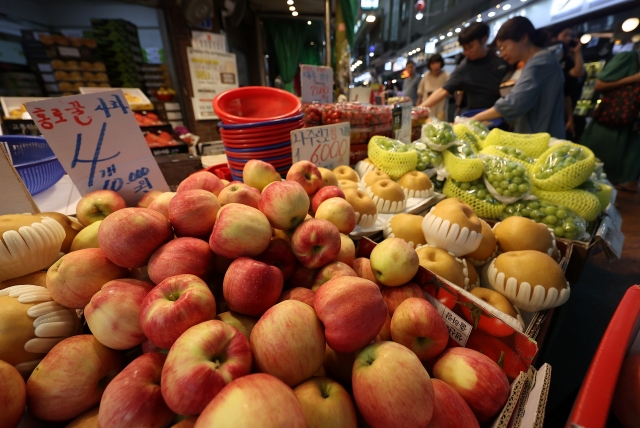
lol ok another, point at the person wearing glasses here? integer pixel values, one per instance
(536, 102)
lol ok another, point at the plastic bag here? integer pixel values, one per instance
(532, 144)
(392, 156)
(438, 135)
(564, 222)
(427, 157)
(507, 180)
(598, 188)
(476, 195)
(563, 167)
(510, 153)
(585, 204)
(478, 128)
(463, 162)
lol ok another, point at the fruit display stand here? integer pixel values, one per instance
(16, 120)
(622, 338)
(515, 352)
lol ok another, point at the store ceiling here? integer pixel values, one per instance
(280, 7)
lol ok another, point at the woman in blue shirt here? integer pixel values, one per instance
(536, 102)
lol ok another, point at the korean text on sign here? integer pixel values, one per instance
(98, 142)
(326, 146)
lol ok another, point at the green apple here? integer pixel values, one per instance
(394, 262)
(87, 237)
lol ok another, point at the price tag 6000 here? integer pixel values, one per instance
(326, 146)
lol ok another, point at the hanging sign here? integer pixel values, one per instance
(326, 146)
(99, 143)
(316, 83)
(211, 74)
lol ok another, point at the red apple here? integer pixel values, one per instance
(393, 296)
(300, 294)
(280, 255)
(148, 346)
(193, 213)
(239, 193)
(206, 358)
(129, 236)
(417, 325)
(97, 205)
(338, 366)
(273, 405)
(259, 174)
(173, 306)
(450, 410)
(316, 243)
(243, 323)
(326, 404)
(240, 231)
(339, 212)
(133, 398)
(352, 311)
(251, 287)
(181, 256)
(331, 271)
(285, 203)
(147, 198)
(362, 266)
(325, 193)
(13, 395)
(202, 180)
(161, 203)
(77, 276)
(302, 276)
(347, 254)
(71, 378)
(307, 174)
(391, 387)
(384, 335)
(477, 378)
(626, 399)
(113, 314)
(288, 342)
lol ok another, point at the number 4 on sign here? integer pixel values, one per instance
(96, 155)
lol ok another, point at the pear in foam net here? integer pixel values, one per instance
(453, 226)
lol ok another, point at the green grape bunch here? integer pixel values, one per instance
(508, 178)
(564, 222)
(515, 153)
(476, 188)
(426, 156)
(440, 133)
(463, 150)
(559, 159)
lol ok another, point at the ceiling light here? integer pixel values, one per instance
(289, 2)
(458, 29)
(308, 22)
(506, 7)
(294, 13)
(618, 42)
(371, 18)
(449, 34)
(497, 6)
(324, 43)
(292, 8)
(630, 24)
(636, 38)
(419, 16)
(479, 15)
(441, 37)
(394, 81)
(311, 43)
(479, 20)
(586, 38)
(491, 14)
(371, 54)
(523, 1)
(418, 49)
(266, 56)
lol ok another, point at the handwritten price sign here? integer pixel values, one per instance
(316, 83)
(326, 146)
(99, 143)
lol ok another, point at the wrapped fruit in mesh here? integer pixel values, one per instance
(585, 204)
(427, 157)
(476, 195)
(392, 156)
(533, 145)
(475, 127)
(438, 135)
(462, 162)
(563, 167)
(505, 179)
(598, 188)
(564, 222)
(510, 153)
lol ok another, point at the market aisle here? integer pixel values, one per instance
(579, 325)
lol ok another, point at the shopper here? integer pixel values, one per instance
(536, 102)
(479, 75)
(433, 80)
(411, 83)
(618, 146)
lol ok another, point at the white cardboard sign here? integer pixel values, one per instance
(99, 144)
(316, 83)
(326, 146)
(459, 329)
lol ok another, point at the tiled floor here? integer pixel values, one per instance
(579, 325)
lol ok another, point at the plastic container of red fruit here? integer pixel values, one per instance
(253, 104)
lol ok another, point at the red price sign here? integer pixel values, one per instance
(326, 146)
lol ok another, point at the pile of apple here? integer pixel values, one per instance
(229, 305)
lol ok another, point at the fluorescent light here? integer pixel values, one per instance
(491, 14)
(479, 15)
(371, 54)
(523, 1)
(311, 43)
(630, 24)
(449, 34)
(419, 16)
(418, 49)
(324, 43)
(308, 22)
(394, 81)
(441, 37)
(292, 8)
(294, 13)
(636, 38)
(458, 29)
(266, 56)
(497, 6)
(506, 7)
(586, 38)
(371, 18)
(289, 2)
